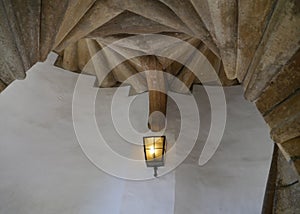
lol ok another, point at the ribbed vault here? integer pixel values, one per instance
(254, 43)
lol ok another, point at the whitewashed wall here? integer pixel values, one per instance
(43, 169)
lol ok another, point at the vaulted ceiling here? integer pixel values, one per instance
(254, 43)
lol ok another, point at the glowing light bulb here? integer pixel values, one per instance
(152, 150)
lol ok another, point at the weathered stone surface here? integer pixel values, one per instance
(202, 8)
(286, 82)
(184, 82)
(155, 11)
(97, 63)
(252, 21)
(291, 149)
(187, 13)
(195, 67)
(100, 13)
(205, 71)
(70, 58)
(136, 63)
(215, 63)
(27, 14)
(268, 204)
(213, 59)
(208, 69)
(223, 14)
(186, 77)
(181, 52)
(284, 111)
(16, 33)
(108, 40)
(287, 130)
(59, 61)
(82, 53)
(52, 14)
(223, 78)
(23, 20)
(174, 68)
(160, 45)
(297, 166)
(75, 11)
(178, 35)
(129, 23)
(5, 75)
(2, 85)
(287, 195)
(283, 189)
(124, 72)
(280, 42)
(11, 64)
(165, 62)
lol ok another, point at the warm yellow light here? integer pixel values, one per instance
(152, 150)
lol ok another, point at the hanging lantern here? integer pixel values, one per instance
(154, 149)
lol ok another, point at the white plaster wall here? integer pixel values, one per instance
(43, 169)
(233, 181)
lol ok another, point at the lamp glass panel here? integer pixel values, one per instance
(157, 154)
(159, 143)
(154, 148)
(149, 142)
(149, 155)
